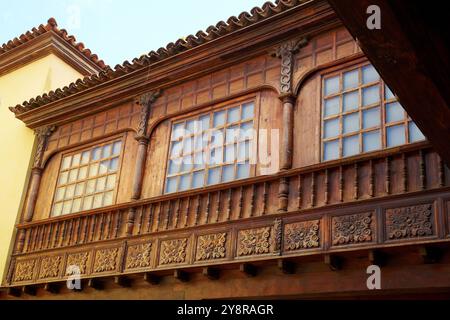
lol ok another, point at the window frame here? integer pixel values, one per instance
(210, 110)
(81, 149)
(381, 104)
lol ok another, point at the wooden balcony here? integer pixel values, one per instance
(383, 199)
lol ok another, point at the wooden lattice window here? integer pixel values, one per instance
(360, 114)
(211, 148)
(87, 179)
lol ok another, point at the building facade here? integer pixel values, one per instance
(263, 158)
(37, 62)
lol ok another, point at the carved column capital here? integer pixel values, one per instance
(286, 52)
(42, 135)
(145, 101)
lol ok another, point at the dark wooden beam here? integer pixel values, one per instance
(29, 290)
(14, 292)
(152, 278)
(181, 275)
(411, 53)
(286, 266)
(334, 262)
(211, 273)
(249, 269)
(96, 284)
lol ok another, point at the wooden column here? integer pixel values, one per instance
(42, 135)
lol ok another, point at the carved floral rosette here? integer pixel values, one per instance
(409, 222)
(302, 235)
(211, 246)
(254, 241)
(50, 267)
(106, 259)
(139, 256)
(352, 229)
(173, 251)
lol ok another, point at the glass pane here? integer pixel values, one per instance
(199, 160)
(79, 188)
(350, 146)
(171, 184)
(176, 148)
(76, 160)
(230, 153)
(57, 209)
(98, 198)
(351, 79)
(219, 119)
(59, 194)
(66, 162)
(200, 142)
(246, 130)
(178, 131)
(73, 174)
(243, 170)
(331, 106)
(331, 85)
(370, 95)
(204, 121)
(108, 199)
(414, 133)
(395, 135)
(351, 101)
(331, 128)
(82, 173)
(76, 205)
(93, 170)
(70, 190)
(232, 134)
(371, 141)
(331, 150)
(228, 173)
(371, 118)
(369, 74)
(90, 186)
(103, 167)
(101, 184)
(247, 111)
(63, 177)
(85, 157)
(191, 127)
(198, 179)
(244, 151)
(188, 145)
(66, 207)
(113, 164)
(187, 163)
(216, 156)
(388, 94)
(87, 203)
(185, 182)
(394, 112)
(214, 175)
(233, 115)
(96, 153)
(174, 166)
(217, 138)
(351, 122)
(116, 148)
(111, 182)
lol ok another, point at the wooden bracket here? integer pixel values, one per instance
(151, 278)
(14, 292)
(287, 267)
(430, 254)
(96, 284)
(29, 290)
(377, 257)
(52, 287)
(181, 275)
(249, 269)
(122, 281)
(334, 262)
(211, 273)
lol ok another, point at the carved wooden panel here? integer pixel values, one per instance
(254, 241)
(173, 251)
(410, 222)
(50, 267)
(139, 255)
(353, 229)
(79, 260)
(211, 246)
(302, 235)
(24, 270)
(106, 260)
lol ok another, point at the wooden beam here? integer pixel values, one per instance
(286, 266)
(430, 254)
(211, 273)
(52, 287)
(152, 278)
(29, 290)
(377, 257)
(14, 292)
(334, 262)
(122, 281)
(181, 275)
(249, 269)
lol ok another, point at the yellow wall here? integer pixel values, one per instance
(16, 140)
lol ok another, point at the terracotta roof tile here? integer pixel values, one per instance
(51, 26)
(222, 28)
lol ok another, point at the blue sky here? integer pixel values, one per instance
(118, 30)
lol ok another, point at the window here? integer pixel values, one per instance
(360, 114)
(87, 179)
(210, 148)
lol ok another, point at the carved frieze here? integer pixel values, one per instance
(106, 260)
(302, 235)
(409, 222)
(173, 251)
(354, 228)
(77, 260)
(139, 256)
(24, 270)
(254, 241)
(211, 246)
(50, 267)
